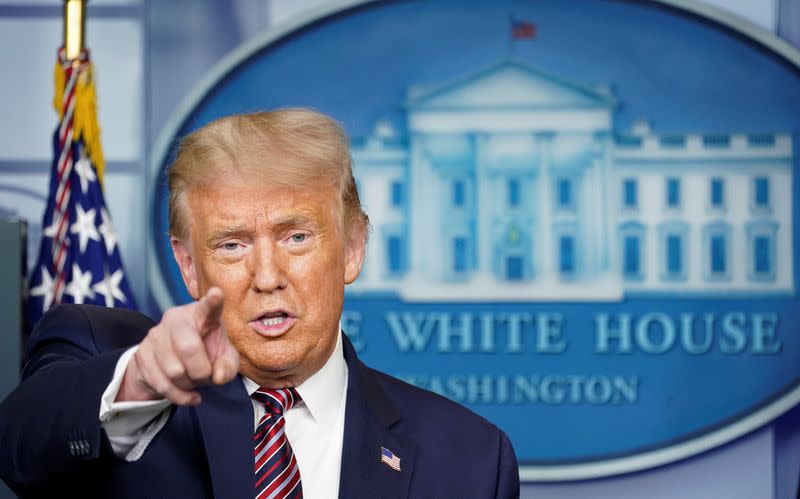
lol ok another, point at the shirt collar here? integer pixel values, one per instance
(324, 392)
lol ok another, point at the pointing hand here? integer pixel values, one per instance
(189, 348)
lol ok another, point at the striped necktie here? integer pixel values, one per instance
(277, 474)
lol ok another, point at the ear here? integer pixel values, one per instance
(186, 263)
(355, 243)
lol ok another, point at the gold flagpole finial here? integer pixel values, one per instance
(74, 27)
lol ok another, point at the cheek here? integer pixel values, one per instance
(236, 328)
(319, 283)
(229, 277)
(320, 274)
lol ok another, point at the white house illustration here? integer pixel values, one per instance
(513, 185)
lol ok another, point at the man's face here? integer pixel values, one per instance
(282, 259)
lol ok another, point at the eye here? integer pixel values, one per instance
(230, 246)
(299, 237)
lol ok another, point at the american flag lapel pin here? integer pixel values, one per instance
(390, 459)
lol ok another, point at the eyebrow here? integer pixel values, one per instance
(226, 232)
(293, 220)
(280, 223)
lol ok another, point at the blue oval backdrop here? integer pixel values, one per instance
(583, 215)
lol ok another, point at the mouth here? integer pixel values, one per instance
(273, 324)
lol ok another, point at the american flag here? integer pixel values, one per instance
(79, 259)
(390, 459)
(521, 30)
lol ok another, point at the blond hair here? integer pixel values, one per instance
(310, 145)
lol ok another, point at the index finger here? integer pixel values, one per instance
(208, 311)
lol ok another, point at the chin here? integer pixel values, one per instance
(276, 364)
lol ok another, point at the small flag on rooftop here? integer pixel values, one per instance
(522, 30)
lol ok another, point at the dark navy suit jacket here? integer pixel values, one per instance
(52, 444)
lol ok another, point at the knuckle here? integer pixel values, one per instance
(153, 340)
(177, 395)
(162, 387)
(181, 398)
(186, 345)
(169, 315)
(202, 372)
(173, 370)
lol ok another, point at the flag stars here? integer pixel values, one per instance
(85, 171)
(109, 236)
(45, 288)
(109, 287)
(80, 286)
(69, 267)
(84, 226)
(51, 230)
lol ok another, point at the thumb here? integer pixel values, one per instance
(208, 311)
(226, 365)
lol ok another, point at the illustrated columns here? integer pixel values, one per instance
(422, 214)
(545, 247)
(485, 232)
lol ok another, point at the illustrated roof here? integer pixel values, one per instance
(509, 84)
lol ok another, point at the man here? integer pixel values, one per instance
(267, 229)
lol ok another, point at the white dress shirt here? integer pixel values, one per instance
(314, 427)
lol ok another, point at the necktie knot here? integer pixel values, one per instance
(276, 401)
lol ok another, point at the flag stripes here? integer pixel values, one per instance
(78, 261)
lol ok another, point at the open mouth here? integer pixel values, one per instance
(274, 320)
(273, 324)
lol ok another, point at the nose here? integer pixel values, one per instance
(268, 268)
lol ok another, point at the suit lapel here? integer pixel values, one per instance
(226, 423)
(369, 422)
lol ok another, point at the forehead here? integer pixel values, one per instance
(263, 163)
(237, 200)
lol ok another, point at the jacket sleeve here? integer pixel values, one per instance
(49, 425)
(507, 471)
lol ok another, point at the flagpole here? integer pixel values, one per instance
(74, 27)
(511, 37)
(79, 257)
